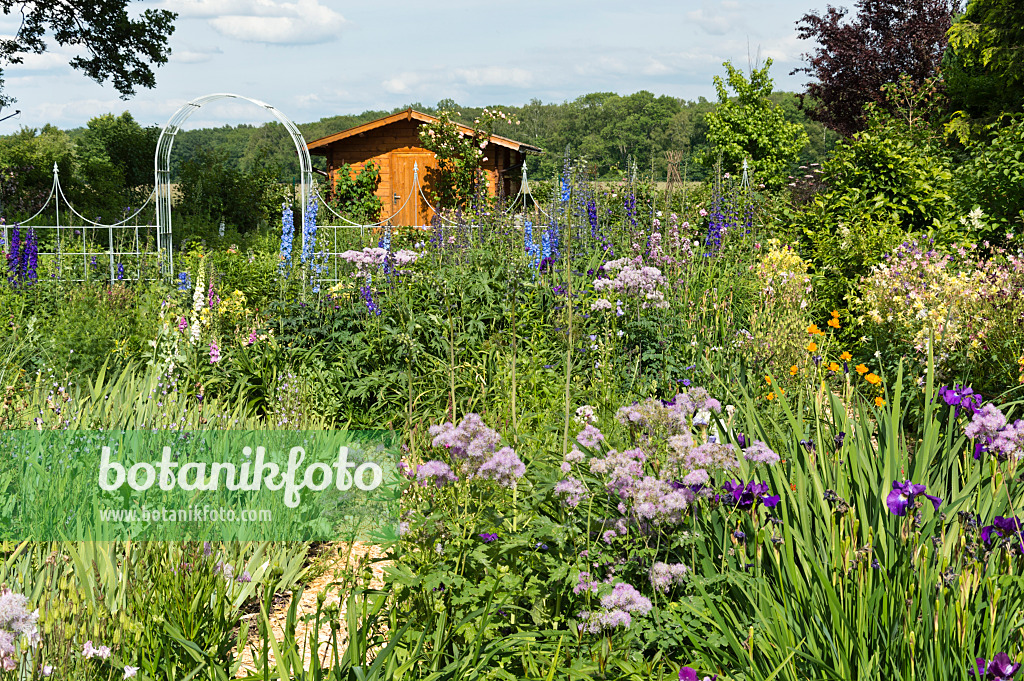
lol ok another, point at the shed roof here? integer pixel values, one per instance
(316, 146)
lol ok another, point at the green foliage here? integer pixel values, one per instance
(355, 194)
(890, 180)
(984, 62)
(992, 179)
(212, 191)
(458, 177)
(751, 127)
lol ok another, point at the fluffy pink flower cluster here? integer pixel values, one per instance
(632, 279)
(15, 621)
(472, 445)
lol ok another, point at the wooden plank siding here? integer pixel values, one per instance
(393, 145)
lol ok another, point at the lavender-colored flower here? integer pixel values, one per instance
(666, 575)
(986, 423)
(504, 467)
(130, 672)
(214, 352)
(698, 476)
(572, 492)
(590, 436)
(625, 597)
(244, 577)
(759, 452)
(435, 472)
(903, 494)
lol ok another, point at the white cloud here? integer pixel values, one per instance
(495, 75)
(402, 84)
(303, 22)
(715, 24)
(190, 56)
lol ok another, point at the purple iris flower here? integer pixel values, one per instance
(961, 397)
(750, 494)
(903, 494)
(1000, 668)
(741, 440)
(1001, 527)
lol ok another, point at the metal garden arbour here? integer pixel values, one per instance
(68, 236)
(162, 164)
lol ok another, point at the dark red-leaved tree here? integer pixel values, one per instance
(855, 57)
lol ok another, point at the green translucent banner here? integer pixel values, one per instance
(199, 485)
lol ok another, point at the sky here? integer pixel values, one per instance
(316, 58)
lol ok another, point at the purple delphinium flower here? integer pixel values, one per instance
(437, 472)
(1000, 668)
(367, 295)
(287, 236)
(749, 495)
(903, 494)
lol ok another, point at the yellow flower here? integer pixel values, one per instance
(794, 370)
(873, 379)
(861, 369)
(846, 357)
(834, 367)
(879, 401)
(834, 323)
(812, 347)
(770, 396)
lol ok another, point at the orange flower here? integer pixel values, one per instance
(834, 323)
(770, 396)
(879, 401)
(835, 314)
(814, 330)
(792, 486)
(834, 367)
(861, 369)
(782, 390)
(768, 380)
(873, 379)
(812, 347)
(794, 370)
(846, 357)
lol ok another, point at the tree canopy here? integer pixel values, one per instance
(854, 58)
(119, 48)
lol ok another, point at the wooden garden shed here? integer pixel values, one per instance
(393, 144)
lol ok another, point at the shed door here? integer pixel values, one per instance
(414, 211)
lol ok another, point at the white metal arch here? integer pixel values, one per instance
(162, 164)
